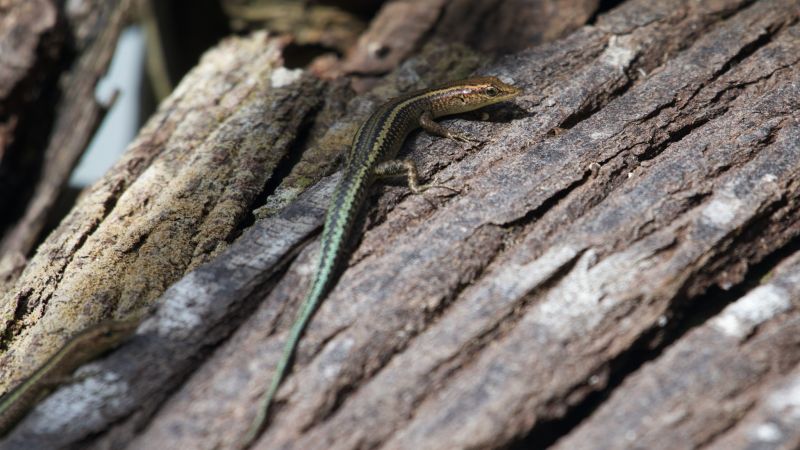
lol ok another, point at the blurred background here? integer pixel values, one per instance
(168, 37)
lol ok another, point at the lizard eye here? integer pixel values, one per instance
(492, 91)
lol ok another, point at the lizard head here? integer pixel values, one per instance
(490, 90)
(474, 93)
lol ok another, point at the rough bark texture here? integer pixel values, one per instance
(180, 192)
(621, 268)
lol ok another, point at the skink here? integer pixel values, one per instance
(82, 348)
(372, 156)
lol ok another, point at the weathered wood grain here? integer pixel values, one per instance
(772, 420)
(175, 199)
(194, 313)
(733, 364)
(654, 155)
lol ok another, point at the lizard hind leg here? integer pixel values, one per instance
(399, 167)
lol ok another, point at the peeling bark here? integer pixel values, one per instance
(178, 195)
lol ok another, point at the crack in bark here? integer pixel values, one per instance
(650, 346)
(502, 326)
(760, 41)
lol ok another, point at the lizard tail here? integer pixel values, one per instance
(340, 218)
(334, 233)
(309, 304)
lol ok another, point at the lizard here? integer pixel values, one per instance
(372, 156)
(83, 347)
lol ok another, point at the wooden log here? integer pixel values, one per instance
(653, 158)
(743, 362)
(174, 199)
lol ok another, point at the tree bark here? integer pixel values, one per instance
(621, 268)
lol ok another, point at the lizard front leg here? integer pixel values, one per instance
(428, 124)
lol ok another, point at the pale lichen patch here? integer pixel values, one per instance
(786, 401)
(176, 315)
(618, 53)
(767, 432)
(577, 301)
(284, 77)
(721, 211)
(600, 135)
(335, 356)
(524, 277)
(83, 401)
(758, 306)
(769, 178)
